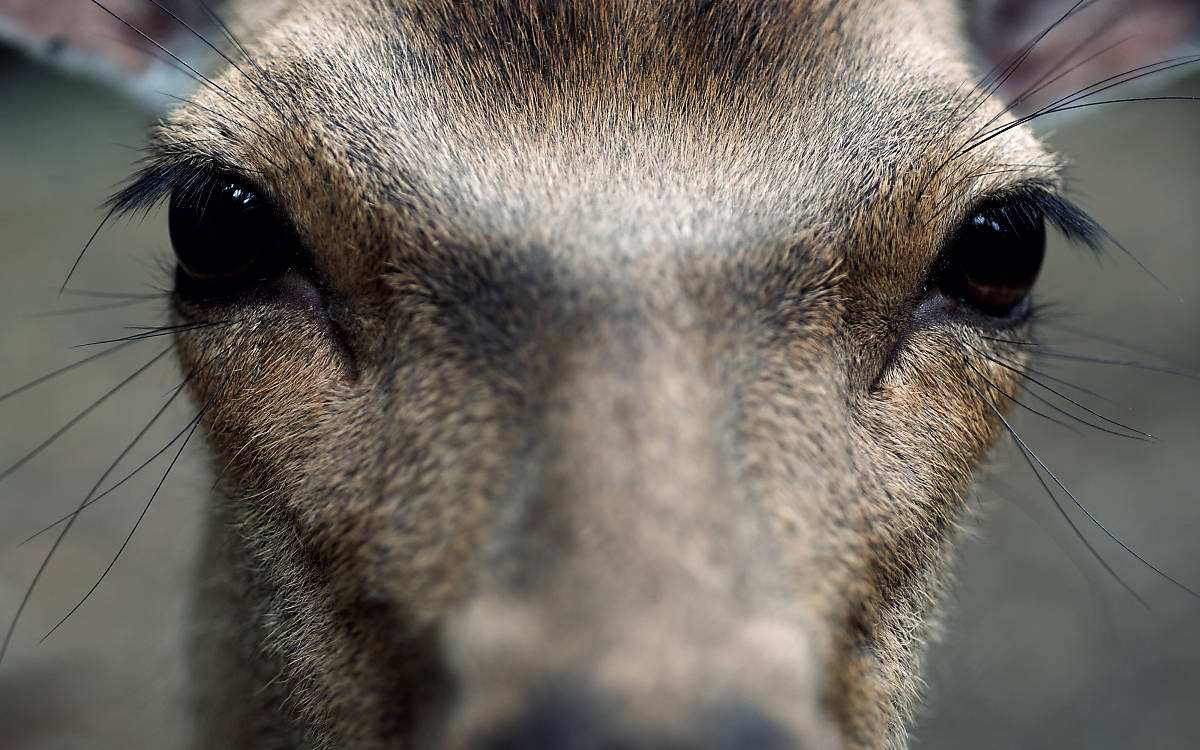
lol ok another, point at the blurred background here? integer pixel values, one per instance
(1042, 648)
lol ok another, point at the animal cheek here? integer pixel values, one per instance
(942, 397)
(251, 390)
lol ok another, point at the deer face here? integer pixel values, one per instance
(598, 362)
(592, 374)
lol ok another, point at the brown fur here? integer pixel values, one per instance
(622, 389)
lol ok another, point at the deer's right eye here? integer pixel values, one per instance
(227, 238)
(994, 258)
(989, 264)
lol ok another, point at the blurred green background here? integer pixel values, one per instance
(1042, 649)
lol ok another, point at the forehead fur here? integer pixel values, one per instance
(695, 118)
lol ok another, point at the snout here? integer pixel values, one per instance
(630, 593)
(669, 678)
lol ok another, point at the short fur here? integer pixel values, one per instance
(622, 384)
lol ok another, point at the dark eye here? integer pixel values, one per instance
(226, 237)
(993, 259)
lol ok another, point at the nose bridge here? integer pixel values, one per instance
(633, 564)
(638, 478)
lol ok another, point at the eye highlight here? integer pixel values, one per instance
(226, 237)
(993, 259)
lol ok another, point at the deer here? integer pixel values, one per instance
(591, 373)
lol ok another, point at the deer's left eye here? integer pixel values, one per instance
(227, 238)
(994, 257)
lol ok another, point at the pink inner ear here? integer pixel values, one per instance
(79, 27)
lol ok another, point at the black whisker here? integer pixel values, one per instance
(256, 83)
(229, 35)
(1018, 58)
(1121, 79)
(1025, 406)
(1028, 454)
(81, 415)
(151, 333)
(63, 370)
(1158, 571)
(1137, 434)
(1069, 102)
(1061, 381)
(86, 245)
(88, 309)
(1036, 513)
(994, 81)
(199, 76)
(1047, 81)
(164, 55)
(141, 516)
(206, 41)
(1042, 351)
(70, 519)
(91, 498)
(115, 295)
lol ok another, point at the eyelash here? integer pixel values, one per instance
(156, 183)
(1069, 219)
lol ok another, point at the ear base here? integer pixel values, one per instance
(109, 42)
(1076, 45)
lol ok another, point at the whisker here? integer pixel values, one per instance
(1074, 500)
(88, 309)
(1025, 406)
(151, 333)
(268, 98)
(91, 498)
(1018, 58)
(1138, 434)
(141, 516)
(1036, 513)
(199, 76)
(1026, 454)
(1121, 79)
(70, 519)
(1069, 102)
(1066, 103)
(1042, 84)
(205, 40)
(1114, 361)
(229, 35)
(81, 415)
(86, 245)
(995, 80)
(238, 106)
(176, 61)
(63, 370)
(1055, 379)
